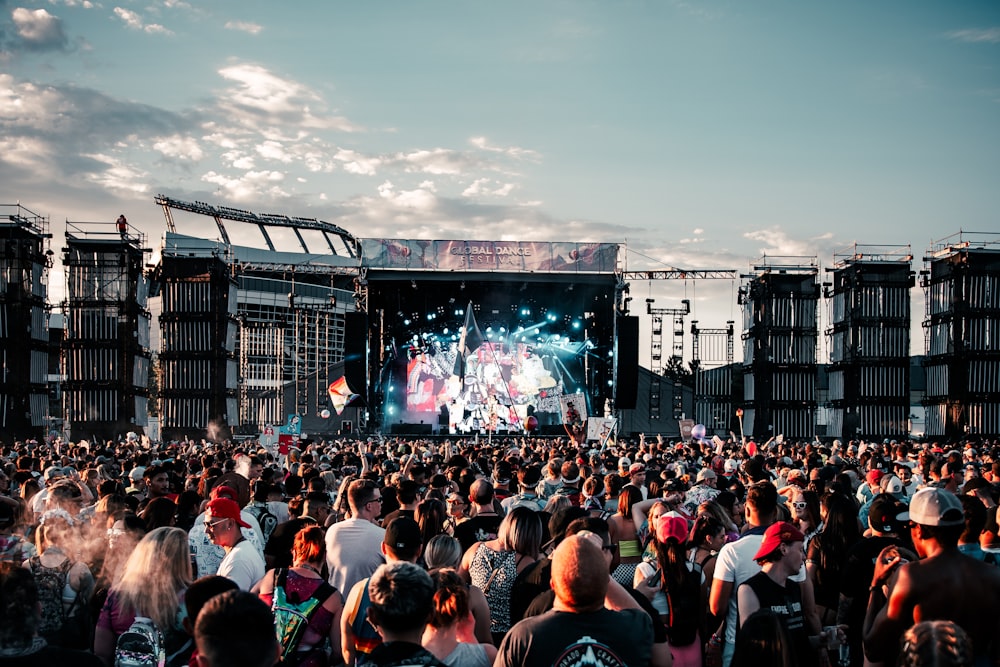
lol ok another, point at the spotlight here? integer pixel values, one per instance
(413, 284)
(406, 321)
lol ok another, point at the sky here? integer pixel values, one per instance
(700, 134)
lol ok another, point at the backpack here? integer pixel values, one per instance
(51, 582)
(140, 646)
(291, 615)
(265, 520)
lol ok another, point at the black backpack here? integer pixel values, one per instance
(58, 626)
(267, 521)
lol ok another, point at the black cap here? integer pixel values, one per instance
(402, 534)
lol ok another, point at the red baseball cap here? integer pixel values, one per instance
(776, 535)
(224, 508)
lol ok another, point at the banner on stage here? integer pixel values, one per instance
(528, 256)
(600, 429)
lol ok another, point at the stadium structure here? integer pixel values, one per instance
(343, 334)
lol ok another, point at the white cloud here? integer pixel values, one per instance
(251, 185)
(134, 21)
(119, 176)
(776, 242)
(28, 153)
(974, 35)
(510, 151)
(420, 199)
(244, 26)
(38, 29)
(238, 160)
(355, 163)
(481, 188)
(180, 147)
(260, 99)
(439, 161)
(272, 150)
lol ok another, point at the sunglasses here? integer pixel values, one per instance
(210, 525)
(799, 505)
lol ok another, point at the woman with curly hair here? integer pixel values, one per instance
(152, 586)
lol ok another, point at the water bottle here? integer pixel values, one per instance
(845, 655)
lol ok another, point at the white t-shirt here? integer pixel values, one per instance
(243, 565)
(207, 555)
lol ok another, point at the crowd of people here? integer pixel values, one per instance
(518, 551)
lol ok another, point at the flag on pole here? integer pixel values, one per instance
(468, 341)
(340, 392)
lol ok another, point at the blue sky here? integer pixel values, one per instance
(703, 134)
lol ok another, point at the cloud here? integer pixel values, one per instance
(421, 198)
(259, 97)
(117, 175)
(66, 136)
(248, 186)
(777, 243)
(244, 26)
(38, 30)
(481, 188)
(511, 151)
(134, 21)
(355, 163)
(180, 147)
(976, 35)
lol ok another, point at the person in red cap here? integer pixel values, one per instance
(242, 563)
(780, 556)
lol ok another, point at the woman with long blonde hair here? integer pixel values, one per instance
(152, 585)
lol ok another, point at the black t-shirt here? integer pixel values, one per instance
(562, 639)
(402, 653)
(279, 545)
(52, 655)
(855, 580)
(786, 602)
(477, 529)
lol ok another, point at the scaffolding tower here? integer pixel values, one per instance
(961, 281)
(780, 332)
(712, 365)
(25, 260)
(675, 362)
(869, 339)
(106, 351)
(198, 333)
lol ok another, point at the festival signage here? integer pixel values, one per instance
(511, 256)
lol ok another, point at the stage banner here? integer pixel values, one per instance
(509, 256)
(600, 429)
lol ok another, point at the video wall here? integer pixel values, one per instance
(495, 387)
